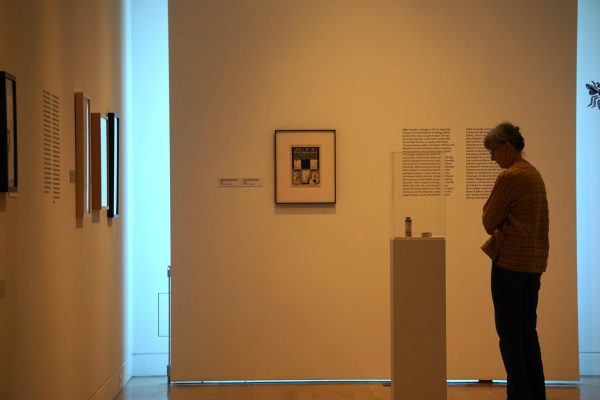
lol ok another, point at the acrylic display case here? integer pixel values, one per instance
(419, 193)
(417, 275)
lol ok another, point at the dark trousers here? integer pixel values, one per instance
(515, 296)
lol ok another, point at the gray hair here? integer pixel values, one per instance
(504, 132)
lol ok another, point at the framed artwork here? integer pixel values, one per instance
(8, 133)
(305, 166)
(82, 154)
(99, 162)
(113, 165)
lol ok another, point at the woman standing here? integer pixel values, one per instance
(516, 217)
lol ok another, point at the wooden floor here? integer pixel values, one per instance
(158, 389)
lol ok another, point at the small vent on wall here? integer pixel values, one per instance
(52, 145)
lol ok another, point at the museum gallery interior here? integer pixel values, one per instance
(221, 191)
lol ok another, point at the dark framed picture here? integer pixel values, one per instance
(305, 166)
(99, 162)
(8, 133)
(113, 165)
(82, 154)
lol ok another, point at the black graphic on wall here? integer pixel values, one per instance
(594, 91)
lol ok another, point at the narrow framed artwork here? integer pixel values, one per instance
(305, 171)
(99, 162)
(82, 154)
(113, 165)
(8, 133)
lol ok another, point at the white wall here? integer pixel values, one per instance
(7, 245)
(588, 189)
(8, 223)
(65, 278)
(256, 286)
(148, 232)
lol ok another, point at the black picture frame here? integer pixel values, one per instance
(113, 164)
(305, 166)
(8, 133)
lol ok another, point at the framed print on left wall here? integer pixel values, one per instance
(305, 166)
(8, 133)
(99, 161)
(82, 154)
(113, 165)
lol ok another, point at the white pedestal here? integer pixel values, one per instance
(418, 320)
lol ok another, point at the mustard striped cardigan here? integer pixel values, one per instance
(516, 217)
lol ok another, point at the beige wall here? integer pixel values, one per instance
(65, 279)
(270, 292)
(8, 212)
(6, 303)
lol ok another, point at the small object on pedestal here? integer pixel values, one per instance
(408, 227)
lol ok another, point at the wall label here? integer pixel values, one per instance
(241, 182)
(420, 166)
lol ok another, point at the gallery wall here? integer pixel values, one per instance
(8, 212)
(588, 190)
(148, 238)
(64, 277)
(302, 292)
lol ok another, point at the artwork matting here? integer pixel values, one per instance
(99, 162)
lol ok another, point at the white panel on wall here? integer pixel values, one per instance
(268, 292)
